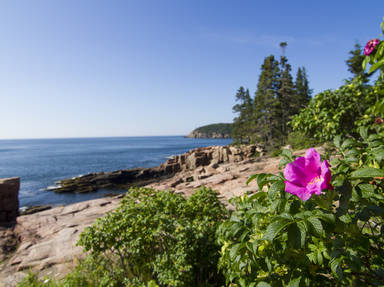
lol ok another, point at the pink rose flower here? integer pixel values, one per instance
(371, 46)
(307, 175)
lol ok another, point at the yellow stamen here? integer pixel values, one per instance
(316, 180)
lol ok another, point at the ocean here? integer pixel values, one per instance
(40, 163)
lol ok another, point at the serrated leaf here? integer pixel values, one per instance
(287, 154)
(311, 257)
(347, 143)
(275, 188)
(363, 131)
(263, 284)
(268, 262)
(373, 137)
(294, 236)
(251, 178)
(319, 257)
(294, 282)
(234, 250)
(275, 227)
(255, 244)
(346, 218)
(367, 190)
(378, 153)
(316, 225)
(367, 172)
(337, 141)
(284, 161)
(336, 267)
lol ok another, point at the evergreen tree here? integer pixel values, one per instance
(264, 120)
(287, 98)
(304, 93)
(243, 122)
(355, 61)
(265, 103)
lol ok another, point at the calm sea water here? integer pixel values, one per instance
(41, 162)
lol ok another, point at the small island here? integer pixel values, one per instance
(213, 131)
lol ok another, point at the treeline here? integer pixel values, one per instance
(263, 118)
(221, 128)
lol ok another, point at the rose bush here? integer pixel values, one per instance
(335, 238)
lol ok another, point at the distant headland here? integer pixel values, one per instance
(214, 131)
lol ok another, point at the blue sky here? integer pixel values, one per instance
(163, 67)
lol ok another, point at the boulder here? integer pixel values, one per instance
(9, 200)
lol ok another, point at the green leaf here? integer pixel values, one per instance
(294, 236)
(346, 218)
(378, 153)
(336, 267)
(316, 225)
(234, 250)
(373, 137)
(337, 141)
(319, 257)
(364, 132)
(251, 178)
(294, 282)
(347, 143)
(275, 227)
(263, 284)
(375, 66)
(275, 188)
(261, 178)
(367, 173)
(284, 161)
(287, 154)
(365, 62)
(367, 190)
(329, 218)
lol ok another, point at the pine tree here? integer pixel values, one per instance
(242, 123)
(287, 98)
(355, 61)
(265, 103)
(304, 93)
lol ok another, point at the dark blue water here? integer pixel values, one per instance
(41, 162)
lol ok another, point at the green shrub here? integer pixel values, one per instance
(299, 140)
(338, 112)
(336, 239)
(32, 280)
(275, 152)
(158, 236)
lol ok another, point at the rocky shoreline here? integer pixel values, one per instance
(45, 241)
(213, 135)
(124, 179)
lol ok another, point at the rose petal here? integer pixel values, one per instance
(312, 163)
(294, 172)
(299, 191)
(315, 188)
(326, 174)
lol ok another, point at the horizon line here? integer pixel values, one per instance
(92, 137)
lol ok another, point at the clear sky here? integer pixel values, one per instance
(82, 68)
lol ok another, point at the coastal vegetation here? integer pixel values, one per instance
(263, 119)
(317, 223)
(221, 130)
